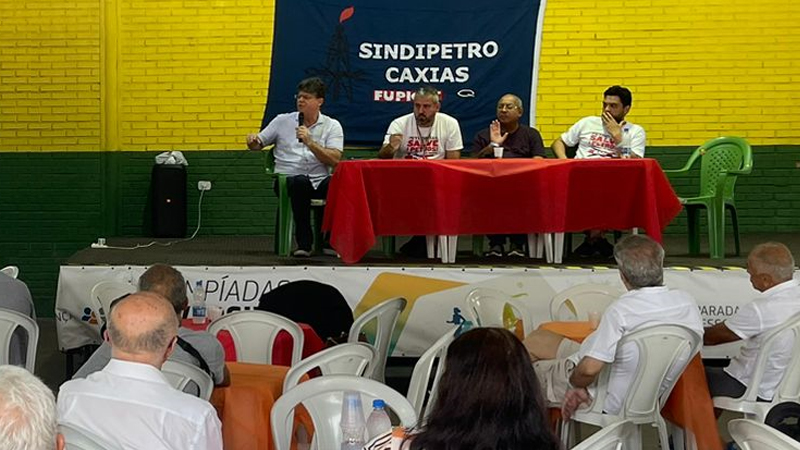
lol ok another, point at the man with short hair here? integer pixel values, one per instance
(308, 144)
(130, 403)
(771, 269)
(607, 136)
(425, 133)
(566, 369)
(27, 412)
(15, 296)
(197, 348)
(517, 141)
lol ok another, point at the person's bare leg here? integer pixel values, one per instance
(542, 344)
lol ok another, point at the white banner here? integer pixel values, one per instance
(432, 293)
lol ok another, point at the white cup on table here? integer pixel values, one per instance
(214, 313)
(498, 152)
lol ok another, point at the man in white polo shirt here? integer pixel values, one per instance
(308, 144)
(566, 369)
(771, 269)
(130, 403)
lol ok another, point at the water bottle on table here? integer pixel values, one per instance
(352, 421)
(199, 311)
(378, 422)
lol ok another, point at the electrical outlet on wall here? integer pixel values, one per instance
(203, 185)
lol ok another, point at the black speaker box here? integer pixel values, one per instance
(168, 185)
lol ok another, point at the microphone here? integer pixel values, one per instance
(300, 118)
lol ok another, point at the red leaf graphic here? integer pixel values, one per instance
(346, 14)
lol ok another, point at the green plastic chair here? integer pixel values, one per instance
(284, 233)
(723, 159)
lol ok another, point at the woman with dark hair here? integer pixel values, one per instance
(488, 398)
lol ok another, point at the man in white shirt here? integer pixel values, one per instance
(771, 269)
(308, 144)
(566, 369)
(130, 403)
(27, 412)
(198, 348)
(606, 136)
(424, 133)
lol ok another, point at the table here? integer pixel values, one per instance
(245, 405)
(370, 198)
(282, 350)
(689, 405)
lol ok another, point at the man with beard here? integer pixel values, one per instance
(607, 136)
(425, 133)
(517, 141)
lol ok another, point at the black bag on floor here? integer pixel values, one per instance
(785, 417)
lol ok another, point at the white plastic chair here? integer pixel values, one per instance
(421, 376)
(576, 302)
(188, 378)
(485, 308)
(79, 439)
(254, 334)
(612, 437)
(788, 390)
(386, 314)
(663, 349)
(752, 435)
(350, 358)
(9, 322)
(105, 292)
(12, 271)
(322, 398)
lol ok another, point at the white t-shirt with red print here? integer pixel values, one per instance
(594, 141)
(425, 142)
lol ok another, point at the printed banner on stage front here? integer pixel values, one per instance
(373, 54)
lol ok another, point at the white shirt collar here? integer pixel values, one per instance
(139, 371)
(781, 287)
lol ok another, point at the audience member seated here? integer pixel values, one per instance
(194, 347)
(517, 141)
(27, 412)
(567, 368)
(607, 136)
(771, 269)
(130, 403)
(488, 398)
(425, 133)
(15, 296)
(316, 304)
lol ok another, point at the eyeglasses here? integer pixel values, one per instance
(304, 96)
(508, 106)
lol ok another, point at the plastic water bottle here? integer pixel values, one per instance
(199, 311)
(352, 422)
(378, 422)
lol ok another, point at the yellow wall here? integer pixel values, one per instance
(192, 74)
(698, 69)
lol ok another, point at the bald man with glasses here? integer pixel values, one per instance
(517, 141)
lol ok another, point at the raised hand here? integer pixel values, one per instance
(495, 134)
(253, 143)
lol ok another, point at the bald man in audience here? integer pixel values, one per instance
(771, 269)
(27, 412)
(130, 403)
(197, 348)
(567, 370)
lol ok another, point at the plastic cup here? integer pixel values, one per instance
(594, 319)
(214, 313)
(498, 152)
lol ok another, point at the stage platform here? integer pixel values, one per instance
(237, 270)
(258, 251)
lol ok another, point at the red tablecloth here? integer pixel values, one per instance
(370, 198)
(282, 351)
